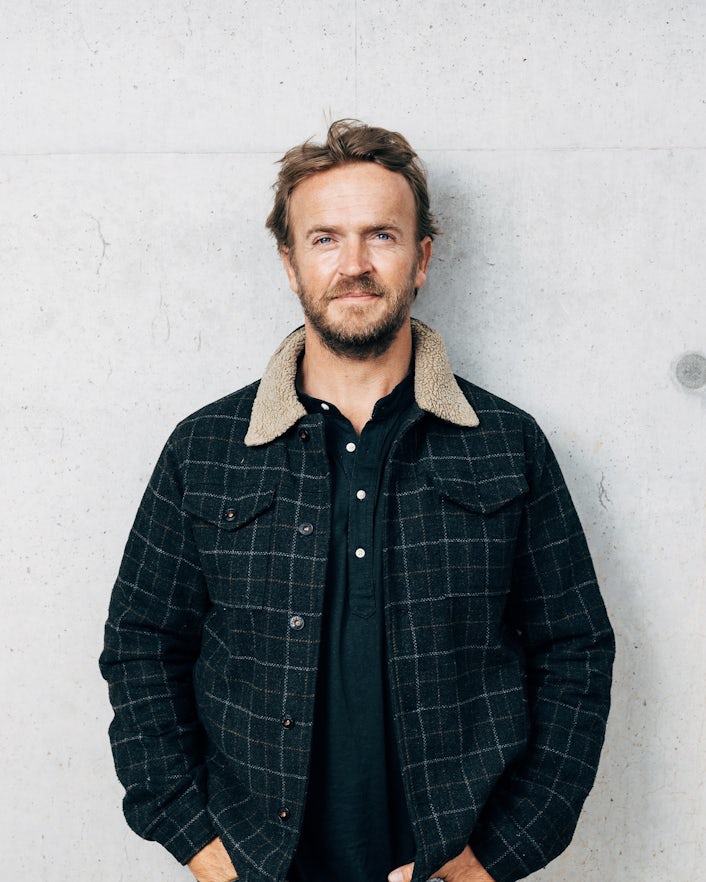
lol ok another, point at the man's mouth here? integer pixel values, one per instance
(357, 291)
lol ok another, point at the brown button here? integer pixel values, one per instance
(296, 623)
(303, 435)
(306, 529)
(288, 723)
(283, 814)
(230, 514)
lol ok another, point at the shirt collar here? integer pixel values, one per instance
(277, 406)
(397, 400)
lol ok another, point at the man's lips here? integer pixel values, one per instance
(355, 293)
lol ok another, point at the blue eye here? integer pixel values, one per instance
(384, 236)
(323, 240)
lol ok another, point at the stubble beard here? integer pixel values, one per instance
(361, 340)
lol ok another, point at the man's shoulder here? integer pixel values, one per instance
(225, 419)
(507, 445)
(228, 406)
(494, 411)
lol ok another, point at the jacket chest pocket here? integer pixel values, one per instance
(233, 534)
(478, 524)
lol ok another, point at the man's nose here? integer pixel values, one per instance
(354, 259)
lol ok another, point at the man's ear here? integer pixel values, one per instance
(424, 251)
(285, 252)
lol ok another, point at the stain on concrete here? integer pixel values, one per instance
(691, 370)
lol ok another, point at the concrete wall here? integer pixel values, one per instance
(566, 143)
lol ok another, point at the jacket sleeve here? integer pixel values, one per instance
(556, 610)
(152, 639)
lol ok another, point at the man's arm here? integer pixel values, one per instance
(152, 640)
(561, 622)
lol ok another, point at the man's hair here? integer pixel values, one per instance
(347, 141)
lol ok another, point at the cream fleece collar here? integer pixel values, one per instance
(277, 408)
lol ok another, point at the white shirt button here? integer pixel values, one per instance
(325, 406)
(360, 552)
(361, 494)
(350, 447)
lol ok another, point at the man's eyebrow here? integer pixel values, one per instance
(372, 228)
(376, 228)
(320, 229)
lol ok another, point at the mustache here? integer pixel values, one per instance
(352, 286)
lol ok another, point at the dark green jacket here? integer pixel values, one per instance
(500, 651)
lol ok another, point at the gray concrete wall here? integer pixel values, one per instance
(566, 144)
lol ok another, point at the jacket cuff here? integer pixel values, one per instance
(505, 859)
(184, 828)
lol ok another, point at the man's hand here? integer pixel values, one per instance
(212, 864)
(464, 868)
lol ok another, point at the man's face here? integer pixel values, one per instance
(355, 261)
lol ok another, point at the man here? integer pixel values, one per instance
(356, 634)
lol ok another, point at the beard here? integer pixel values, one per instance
(360, 336)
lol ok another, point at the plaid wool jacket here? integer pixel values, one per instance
(499, 650)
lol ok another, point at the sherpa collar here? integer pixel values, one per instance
(277, 408)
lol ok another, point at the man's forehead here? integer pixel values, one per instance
(365, 187)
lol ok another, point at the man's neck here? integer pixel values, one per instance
(354, 385)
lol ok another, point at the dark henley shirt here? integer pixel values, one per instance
(356, 826)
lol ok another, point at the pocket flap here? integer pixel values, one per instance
(229, 512)
(483, 495)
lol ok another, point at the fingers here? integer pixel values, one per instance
(401, 874)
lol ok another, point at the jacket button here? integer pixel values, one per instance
(303, 435)
(296, 623)
(283, 814)
(288, 723)
(230, 514)
(306, 529)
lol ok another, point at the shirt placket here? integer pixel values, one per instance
(361, 498)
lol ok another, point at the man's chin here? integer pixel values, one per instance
(364, 341)
(346, 310)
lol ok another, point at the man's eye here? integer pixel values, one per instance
(383, 236)
(323, 240)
